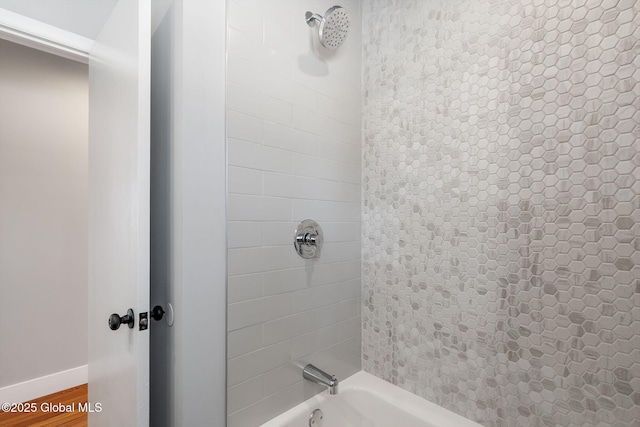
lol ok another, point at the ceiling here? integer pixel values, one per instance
(82, 17)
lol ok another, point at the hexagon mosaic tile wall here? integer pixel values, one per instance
(501, 236)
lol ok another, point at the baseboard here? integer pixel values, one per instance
(38, 387)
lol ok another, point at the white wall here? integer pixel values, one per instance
(43, 212)
(294, 153)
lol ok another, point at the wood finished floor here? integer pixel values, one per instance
(70, 396)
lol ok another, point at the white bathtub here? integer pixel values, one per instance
(367, 401)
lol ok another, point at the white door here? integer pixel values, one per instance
(119, 114)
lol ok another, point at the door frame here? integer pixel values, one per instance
(196, 212)
(47, 38)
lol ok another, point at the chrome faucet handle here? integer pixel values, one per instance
(308, 239)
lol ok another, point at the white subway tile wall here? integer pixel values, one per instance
(294, 152)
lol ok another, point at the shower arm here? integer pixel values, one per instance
(311, 19)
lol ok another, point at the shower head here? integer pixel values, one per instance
(333, 27)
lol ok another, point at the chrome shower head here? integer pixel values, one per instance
(333, 28)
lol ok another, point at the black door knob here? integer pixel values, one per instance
(157, 312)
(115, 321)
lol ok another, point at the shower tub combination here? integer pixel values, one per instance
(367, 401)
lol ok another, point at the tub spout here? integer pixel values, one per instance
(318, 376)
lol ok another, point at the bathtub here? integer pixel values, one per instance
(364, 400)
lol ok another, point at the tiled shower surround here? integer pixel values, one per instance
(294, 152)
(501, 201)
